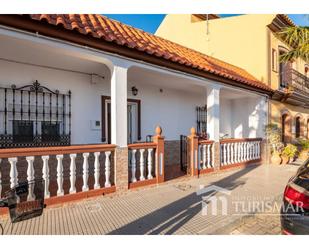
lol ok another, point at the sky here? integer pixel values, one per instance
(150, 23)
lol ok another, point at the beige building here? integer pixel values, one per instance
(251, 42)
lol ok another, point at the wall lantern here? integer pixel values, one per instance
(134, 90)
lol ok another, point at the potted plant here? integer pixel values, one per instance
(288, 153)
(273, 135)
(304, 144)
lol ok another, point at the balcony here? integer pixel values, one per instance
(294, 88)
(294, 81)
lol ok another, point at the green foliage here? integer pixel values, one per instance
(298, 39)
(304, 143)
(290, 150)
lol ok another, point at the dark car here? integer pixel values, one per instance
(295, 207)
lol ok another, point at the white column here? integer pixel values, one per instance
(107, 169)
(96, 170)
(133, 166)
(30, 178)
(85, 172)
(46, 176)
(60, 190)
(142, 165)
(119, 106)
(13, 172)
(72, 174)
(149, 163)
(213, 112)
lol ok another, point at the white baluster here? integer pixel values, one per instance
(45, 171)
(30, 178)
(85, 172)
(209, 164)
(107, 169)
(142, 164)
(224, 154)
(204, 156)
(149, 161)
(72, 174)
(0, 179)
(232, 153)
(238, 152)
(96, 170)
(259, 150)
(60, 190)
(13, 172)
(247, 151)
(254, 150)
(228, 154)
(133, 166)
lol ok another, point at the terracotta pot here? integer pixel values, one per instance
(285, 160)
(303, 155)
(275, 159)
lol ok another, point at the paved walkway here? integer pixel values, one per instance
(171, 208)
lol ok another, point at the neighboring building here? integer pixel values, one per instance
(77, 80)
(251, 42)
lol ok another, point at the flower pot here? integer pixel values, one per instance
(275, 159)
(285, 160)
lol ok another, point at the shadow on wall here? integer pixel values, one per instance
(170, 218)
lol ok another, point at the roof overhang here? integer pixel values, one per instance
(58, 32)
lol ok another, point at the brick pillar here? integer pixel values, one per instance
(265, 152)
(159, 140)
(193, 152)
(121, 168)
(216, 155)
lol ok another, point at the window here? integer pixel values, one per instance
(22, 131)
(50, 131)
(274, 60)
(297, 127)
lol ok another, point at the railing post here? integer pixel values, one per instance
(133, 165)
(85, 172)
(96, 170)
(149, 163)
(193, 150)
(13, 172)
(46, 176)
(141, 164)
(159, 140)
(107, 169)
(30, 177)
(60, 191)
(72, 174)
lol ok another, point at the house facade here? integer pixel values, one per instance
(93, 105)
(252, 42)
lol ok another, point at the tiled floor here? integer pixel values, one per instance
(170, 208)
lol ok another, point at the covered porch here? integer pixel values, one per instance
(107, 108)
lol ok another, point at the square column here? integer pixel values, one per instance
(213, 112)
(119, 106)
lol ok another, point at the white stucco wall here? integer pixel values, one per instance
(86, 97)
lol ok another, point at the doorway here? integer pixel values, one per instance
(133, 120)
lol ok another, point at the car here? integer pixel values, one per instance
(295, 208)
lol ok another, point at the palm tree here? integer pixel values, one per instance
(298, 39)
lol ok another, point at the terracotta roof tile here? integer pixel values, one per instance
(110, 30)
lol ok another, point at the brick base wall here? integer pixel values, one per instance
(121, 168)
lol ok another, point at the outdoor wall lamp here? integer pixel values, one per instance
(134, 90)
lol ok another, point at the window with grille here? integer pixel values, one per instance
(34, 115)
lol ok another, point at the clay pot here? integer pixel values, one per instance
(275, 159)
(285, 160)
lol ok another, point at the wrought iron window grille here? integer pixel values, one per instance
(34, 116)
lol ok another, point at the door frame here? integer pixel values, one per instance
(104, 129)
